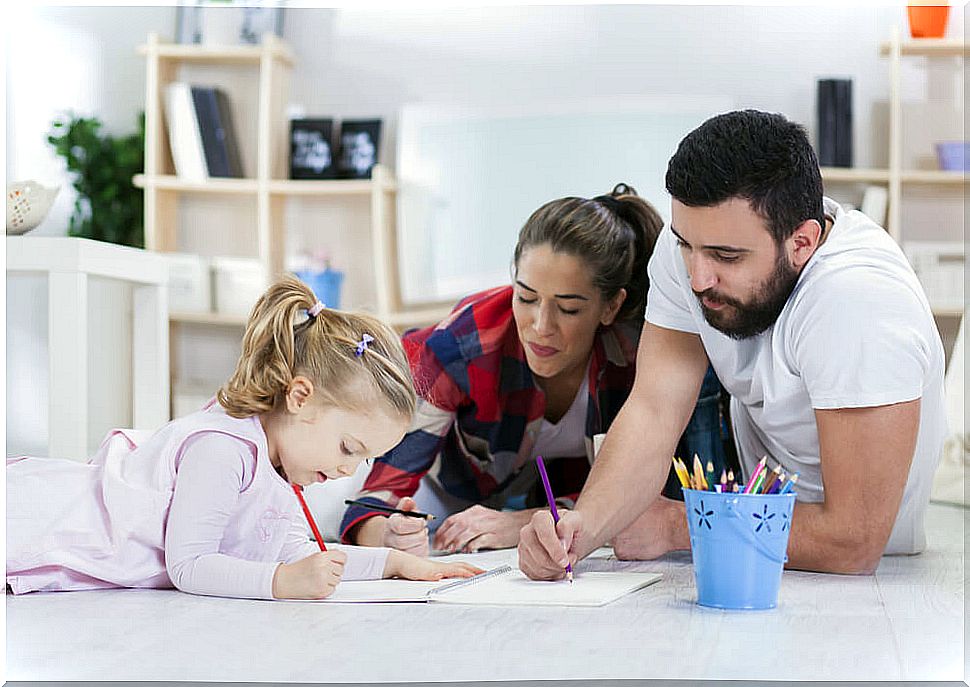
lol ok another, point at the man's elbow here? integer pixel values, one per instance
(856, 556)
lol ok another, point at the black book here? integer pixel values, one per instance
(232, 144)
(215, 128)
(835, 122)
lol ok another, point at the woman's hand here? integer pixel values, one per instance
(314, 577)
(395, 531)
(405, 533)
(478, 528)
(401, 564)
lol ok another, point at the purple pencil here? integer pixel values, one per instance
(552, 506)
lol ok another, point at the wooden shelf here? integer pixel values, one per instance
(329, 187)
(917, 176)
(929, 47)
(859, 174)
(220, 54)
(208, 318)
(947, 312)
(882, 176)
(217, 185)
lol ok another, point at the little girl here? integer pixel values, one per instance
(206, 503)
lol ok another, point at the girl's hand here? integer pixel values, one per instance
(314, 577)
(404, 565)
(479, 528)
(406, 533)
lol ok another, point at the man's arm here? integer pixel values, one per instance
(866, 455)
(633, 463)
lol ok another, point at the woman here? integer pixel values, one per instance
(537, 368)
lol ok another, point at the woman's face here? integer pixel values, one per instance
(557, 310)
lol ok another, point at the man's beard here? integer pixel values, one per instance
(750, 319)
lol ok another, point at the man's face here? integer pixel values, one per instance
(740, 275)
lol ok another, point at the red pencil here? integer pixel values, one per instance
(309, 518)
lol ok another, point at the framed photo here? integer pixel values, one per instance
(311, 149)
(360, 143)
(228, 22)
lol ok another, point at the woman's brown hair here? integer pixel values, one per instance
(614, 234)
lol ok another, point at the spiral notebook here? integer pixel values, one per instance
(502, 586)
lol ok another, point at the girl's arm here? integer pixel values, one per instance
(363, 563)
(210, 477)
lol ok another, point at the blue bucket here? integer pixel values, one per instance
(738, 543)
(325, 284)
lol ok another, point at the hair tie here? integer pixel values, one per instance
(315, 310)
(362, 344)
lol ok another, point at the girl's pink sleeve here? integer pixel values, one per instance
(210, 477)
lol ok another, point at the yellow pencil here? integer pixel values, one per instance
(699, 473)
(682, 476)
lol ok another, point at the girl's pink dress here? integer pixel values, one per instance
(196, 505)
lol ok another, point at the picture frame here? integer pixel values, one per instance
(229, 22)
(360, 144)
(312, 150)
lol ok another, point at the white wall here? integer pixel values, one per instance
(354, 63)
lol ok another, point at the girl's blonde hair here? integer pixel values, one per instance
(280, 343)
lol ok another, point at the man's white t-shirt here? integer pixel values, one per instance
(857, 331)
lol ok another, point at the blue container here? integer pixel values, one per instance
(325, 284)
(738, 542)
(952, 156)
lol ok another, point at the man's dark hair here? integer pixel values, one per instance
(758, 156)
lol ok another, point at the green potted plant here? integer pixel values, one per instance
(108, 206)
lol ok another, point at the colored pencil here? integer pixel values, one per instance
(681, 477)
(789, 485)
(710, 474)
(730, 481)
(388, 509)
(552, 507)
(298, 490)
(770, 479)
(699, 480)
(776, 487)
(754, 475)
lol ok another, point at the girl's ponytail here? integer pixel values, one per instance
(289, 333)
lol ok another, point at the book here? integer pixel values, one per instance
(212, 113)
(502, 586)
(184, 137)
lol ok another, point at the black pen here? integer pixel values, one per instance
(388, 509)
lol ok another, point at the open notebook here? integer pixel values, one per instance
(502, 586)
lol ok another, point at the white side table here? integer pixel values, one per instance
(69, 263)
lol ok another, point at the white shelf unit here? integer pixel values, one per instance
(71, 266)
(895, 177)
(270, 189)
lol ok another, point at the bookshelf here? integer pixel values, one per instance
(266, 67)
(895, 177)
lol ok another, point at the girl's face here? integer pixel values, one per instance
(310, 441)
(557, 310)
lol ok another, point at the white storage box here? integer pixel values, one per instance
(940, 267)
(238, 283)
(189, 283)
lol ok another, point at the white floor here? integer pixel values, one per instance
(904, 623)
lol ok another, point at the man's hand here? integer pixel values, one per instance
(545, 547)
(479, 528)
(662, 528)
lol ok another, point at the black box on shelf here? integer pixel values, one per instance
(835, 122)
(360, 143)
(312, 149)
